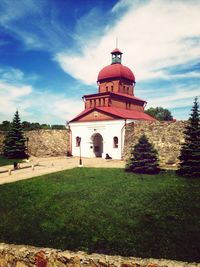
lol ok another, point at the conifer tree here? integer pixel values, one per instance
(15, 142)
(143, 158)
(190, 150)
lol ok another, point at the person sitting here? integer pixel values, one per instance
(107, 156)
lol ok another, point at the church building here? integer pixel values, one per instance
(99, 129)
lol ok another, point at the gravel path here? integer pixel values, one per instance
(40, 166)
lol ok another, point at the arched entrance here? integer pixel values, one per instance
(97, 141)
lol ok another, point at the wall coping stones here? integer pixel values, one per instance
(29, 256)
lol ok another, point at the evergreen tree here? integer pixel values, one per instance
(15, 142)
(190, 150)
(143, 158)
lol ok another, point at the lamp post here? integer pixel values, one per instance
(27, 139)
(79, 143)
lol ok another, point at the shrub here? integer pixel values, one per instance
(143, 158)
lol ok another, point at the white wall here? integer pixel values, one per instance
(107, 129)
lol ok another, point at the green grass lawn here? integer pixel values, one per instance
(106, 211)
(4, 161)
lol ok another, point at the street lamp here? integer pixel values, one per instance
(79, 144)
(27, 139)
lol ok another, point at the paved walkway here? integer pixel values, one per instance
(53, 164)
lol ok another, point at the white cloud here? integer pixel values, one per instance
(33, 105)
(121, 5)
(179, 99)
(53, 108)
(11, 91)
(11, 97)
(30, 22)
(11, 74)
(153, 35)
(124, 4)
(12, 11)
(192, 74)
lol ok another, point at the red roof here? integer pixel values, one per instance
(116, 50)
(119, 113)
(84, 112)
(116, 71)
(127, 113)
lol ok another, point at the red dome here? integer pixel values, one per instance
(116, 71)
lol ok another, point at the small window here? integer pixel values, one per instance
(90, 103)
(128, 105)
(112, 88)
(96, 114)
(78, 141)
(115, 142)
(104, 102)
(106, 88)
(94, 102)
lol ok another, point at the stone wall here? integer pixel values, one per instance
(44, 143)
(2, 137)
(167, 138)
(26, 256)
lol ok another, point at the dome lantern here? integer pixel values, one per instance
(116, 56)
(116, 70)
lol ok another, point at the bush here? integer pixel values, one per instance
(143, 158)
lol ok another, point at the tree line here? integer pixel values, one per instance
(29, 126)
(160, 113)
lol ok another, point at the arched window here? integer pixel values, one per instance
(115, 142)
(78, 141)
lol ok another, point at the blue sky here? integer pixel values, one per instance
(52, 50)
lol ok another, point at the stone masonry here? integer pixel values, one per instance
(26, 256)
(2, 137)
(45, 143)
(166, 137)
